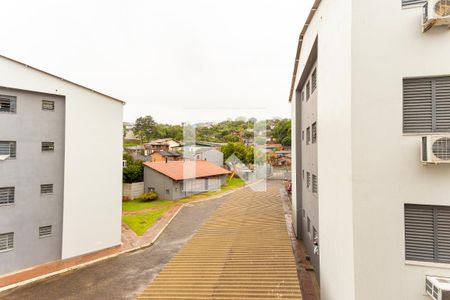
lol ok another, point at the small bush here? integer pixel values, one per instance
(125, 198)
(150, 196)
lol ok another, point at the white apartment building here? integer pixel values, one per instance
(60, 168)
(369, 83)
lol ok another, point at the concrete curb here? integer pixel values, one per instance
(82, 265)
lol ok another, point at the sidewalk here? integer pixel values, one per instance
(130, 242)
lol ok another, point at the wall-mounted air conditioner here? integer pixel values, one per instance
(435, 13)
(435, 149)
(438, 288)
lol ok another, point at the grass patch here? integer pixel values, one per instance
(140, 223)
(137, 204)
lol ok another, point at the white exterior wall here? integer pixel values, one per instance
(388, 45)
(332, 24)
(93, 159)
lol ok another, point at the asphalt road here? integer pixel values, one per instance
(125, 276)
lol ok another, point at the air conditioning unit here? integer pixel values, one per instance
(438, 288)
(435, 13)
(435, 149)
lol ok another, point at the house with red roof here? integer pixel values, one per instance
(173, 180)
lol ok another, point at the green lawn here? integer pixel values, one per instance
(140, 223)
(137, 204)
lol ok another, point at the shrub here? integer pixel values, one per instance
(125, 198)
(150, 196)
(134, 172)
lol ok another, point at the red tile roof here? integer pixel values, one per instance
(180, 170)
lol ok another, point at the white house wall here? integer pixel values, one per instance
(93, 162)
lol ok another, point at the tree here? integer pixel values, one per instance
(134, 170)
(282, 132)
(145, 127)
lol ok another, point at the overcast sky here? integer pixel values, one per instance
(177, 60)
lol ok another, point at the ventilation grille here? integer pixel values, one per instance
(7, 104)
(441, 148)
(46, 188)
(6, 241)
(411, 3)
(417, 105)
(48, 146)
(6, 195)
(45, 231)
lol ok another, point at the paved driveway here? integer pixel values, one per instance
(125, 276)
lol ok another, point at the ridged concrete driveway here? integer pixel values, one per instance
(242, 252)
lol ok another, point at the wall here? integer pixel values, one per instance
(386, 163)
(133, 190)
(309, 164)
(164, 186)
(332, 25)
(29, 127)
(91, 215)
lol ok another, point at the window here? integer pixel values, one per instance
(303, 174)
(314, 133)
(308, 91)
(427, 233)
(7, 195)
(48, 105)
(302, 96)
(314, 184)
(304, 214)
(303, 135)
(308, 179)
(308, 221)
(412, 3)
(46, 188)
(48, 146)
(308, 135)
(6, 241)
(8, 148)
(426, 105)
(313, 81)
(8, 104)
(45, 231)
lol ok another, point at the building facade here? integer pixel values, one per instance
(368, 84)
(49, 177)
(174, 180)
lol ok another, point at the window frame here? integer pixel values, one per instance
(47, 146)
(434, 121)
(12, 145)
(47, 102)
(314, 133)
(308, 135)
(13, 104)
(9, 241)
(11, 199)
(433, 210)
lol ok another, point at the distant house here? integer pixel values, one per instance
(135, 150)
(162, 144)
(178, 179)
(163, 156)
(209, 154)
(129, 134)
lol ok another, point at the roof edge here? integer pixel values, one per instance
(61, 78)
(312, 12)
